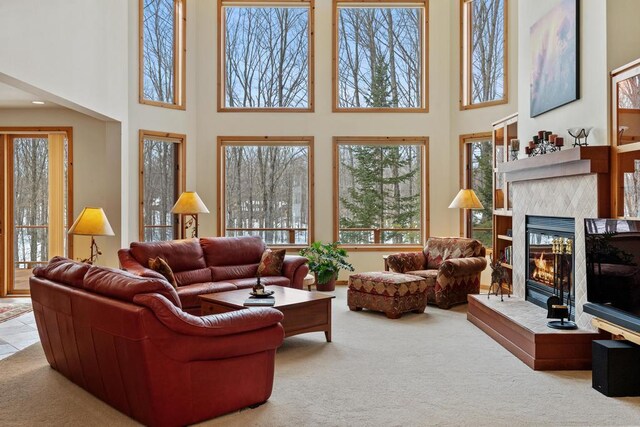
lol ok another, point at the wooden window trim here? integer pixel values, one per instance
(177, 138)
(465, 60)
(424, 59)
(8, 277)
(423, 141)
(221, 58)
(179, 55)
(224, 141)
(465, 176)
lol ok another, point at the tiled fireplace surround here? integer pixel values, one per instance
(572, 196)
(573, 183)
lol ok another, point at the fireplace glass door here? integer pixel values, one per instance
(549, 254)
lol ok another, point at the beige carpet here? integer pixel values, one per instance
(429, 369)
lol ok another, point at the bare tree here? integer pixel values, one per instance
(158, 50)
(266, 57)
(31, 191)
(160, 160)
(380, 44)
(266, 186)
(487, 50)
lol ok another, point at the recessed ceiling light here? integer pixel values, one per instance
(38, 102)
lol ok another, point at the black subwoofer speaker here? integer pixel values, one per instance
(616, 368)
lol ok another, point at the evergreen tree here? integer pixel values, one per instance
(380, 84)
(379, 198)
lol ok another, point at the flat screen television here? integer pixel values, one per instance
(612, 250)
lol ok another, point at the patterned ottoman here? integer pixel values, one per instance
(391, 293)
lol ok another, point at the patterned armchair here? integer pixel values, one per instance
(451, 265)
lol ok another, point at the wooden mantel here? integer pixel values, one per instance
(568, 162)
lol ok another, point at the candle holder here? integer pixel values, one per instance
(515, 149)
(544, 142)
(579, 134)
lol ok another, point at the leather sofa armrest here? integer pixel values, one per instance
(130, 264)
(295, 268)
(233, 322)
(456, 267)
(406, 261)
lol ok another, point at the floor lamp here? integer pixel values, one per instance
(92, 222)
(189, 203)
(466, 199)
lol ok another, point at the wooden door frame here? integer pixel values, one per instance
(7, 202)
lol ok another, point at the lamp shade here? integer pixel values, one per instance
(466, 199)
(189, 203)
(92, 222)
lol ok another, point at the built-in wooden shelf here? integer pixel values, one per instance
(521, 327)
(568, 162)
(503, 237)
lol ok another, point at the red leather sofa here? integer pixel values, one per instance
(213, 264)
(126, 340)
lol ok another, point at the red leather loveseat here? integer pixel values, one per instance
(213, 264)
(126, 340)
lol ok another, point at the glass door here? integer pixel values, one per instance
(36, 197)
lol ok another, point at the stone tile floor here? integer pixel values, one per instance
(17, 334)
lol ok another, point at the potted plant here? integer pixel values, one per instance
(325, 261)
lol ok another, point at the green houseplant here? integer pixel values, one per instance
(325, 261)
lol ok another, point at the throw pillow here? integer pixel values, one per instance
(160, 265)
(271, 262)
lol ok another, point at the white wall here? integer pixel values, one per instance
(623, 32)
(159, 119)
(591, 109)
(95, 181)
(89, 60)
(323, 124)
(73, 49)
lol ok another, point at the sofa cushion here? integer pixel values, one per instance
(185, 278)
(181, 255)
(440, 249)
(189, 294)
(223, 251)
(63, 270)
(221, 273)
(271, 262)
(159, 265)
(270, 280)
(124, 286)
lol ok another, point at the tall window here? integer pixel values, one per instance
(484, 52)
(36, 209)
(162, 52)
(380, 51)
(266, 188)
(266, 49)
(478, 175)
(162, 177)
(381, 196)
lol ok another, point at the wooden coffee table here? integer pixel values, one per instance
(303, 311)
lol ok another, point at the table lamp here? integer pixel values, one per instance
(189, 203)
(92, 222)
(466, 199)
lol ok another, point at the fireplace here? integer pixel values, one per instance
(550, 259)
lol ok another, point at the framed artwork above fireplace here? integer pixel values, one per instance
(555, 66)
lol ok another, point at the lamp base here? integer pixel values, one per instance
(562, 324)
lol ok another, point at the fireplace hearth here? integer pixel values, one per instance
(550, 260)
